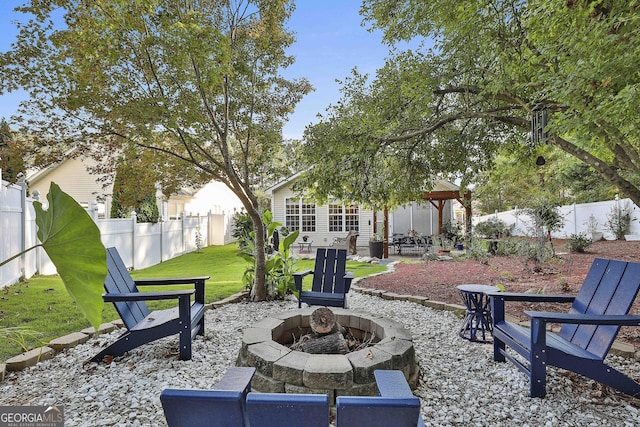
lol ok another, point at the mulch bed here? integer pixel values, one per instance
(564, 274)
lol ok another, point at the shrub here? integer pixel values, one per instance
(578, 242)
(476, 250)
(534, 250)
(452, 231)
(508, 247)
(619, 220)
(545, 219)
(493, 228)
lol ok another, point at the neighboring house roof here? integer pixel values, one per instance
(35, 175)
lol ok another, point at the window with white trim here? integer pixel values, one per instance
(300, 215)
(343, 218)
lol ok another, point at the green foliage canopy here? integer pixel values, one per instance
(134, 189)
(447, 110)
(11, 161)
(196, 81)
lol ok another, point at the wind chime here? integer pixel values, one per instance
(538, 124)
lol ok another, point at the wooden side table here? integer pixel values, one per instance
(478, 311)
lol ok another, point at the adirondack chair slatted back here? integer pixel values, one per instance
(330, 268)
(119, 281)
(610, 288)
(287, 409)
(203, 408)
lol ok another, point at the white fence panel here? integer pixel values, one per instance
(11, 225)
(576, 218)
(190, 228)
(227, 229)
(147, 245)
(34, 260)
(140, 245)
(172, 239)
(118, 233)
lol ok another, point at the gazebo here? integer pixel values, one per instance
(441, 193)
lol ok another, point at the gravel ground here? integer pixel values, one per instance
(460, 384)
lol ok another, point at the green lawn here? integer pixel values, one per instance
(34, 312)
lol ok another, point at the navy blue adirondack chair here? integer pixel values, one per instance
(290, 410)
(144, 326)
(395, 404)
(598, 311)
(331, 282)
(224, 406)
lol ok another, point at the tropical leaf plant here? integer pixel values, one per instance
(72, 241)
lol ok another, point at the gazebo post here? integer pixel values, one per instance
(386, 232)
(442, 197)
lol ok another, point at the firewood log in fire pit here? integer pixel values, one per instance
(327, 335)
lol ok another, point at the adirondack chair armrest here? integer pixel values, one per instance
(347, 281)
(171, 281)
(297, 278)
(197, 281)
(515, 296)
(498, 300)
(584, 319)
(147, 296)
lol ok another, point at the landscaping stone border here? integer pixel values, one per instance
(21, 361)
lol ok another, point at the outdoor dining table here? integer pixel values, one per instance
(417, 244)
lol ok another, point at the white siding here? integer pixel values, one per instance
(73, 178)
(322, 237)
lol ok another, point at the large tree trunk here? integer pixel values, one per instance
(606, 170)
(259, 287)
(250, 203)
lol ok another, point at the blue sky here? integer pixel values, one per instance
(330, 42)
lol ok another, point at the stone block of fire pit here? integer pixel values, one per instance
(328, 371)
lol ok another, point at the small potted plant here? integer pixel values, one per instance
(376, 246)
(305, 238)
(592, 228)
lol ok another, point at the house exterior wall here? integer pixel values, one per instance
(322, 236)
(72, 177)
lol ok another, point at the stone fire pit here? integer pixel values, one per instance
(282, 370)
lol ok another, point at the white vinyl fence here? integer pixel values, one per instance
(576, 218)
(141, 245)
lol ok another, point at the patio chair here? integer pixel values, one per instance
(395, 404)
(287, 409)
(144, 326)
(330, 284)
(349, 242)
(224, 406)
(588, 330)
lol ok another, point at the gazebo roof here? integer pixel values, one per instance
(445, 190)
